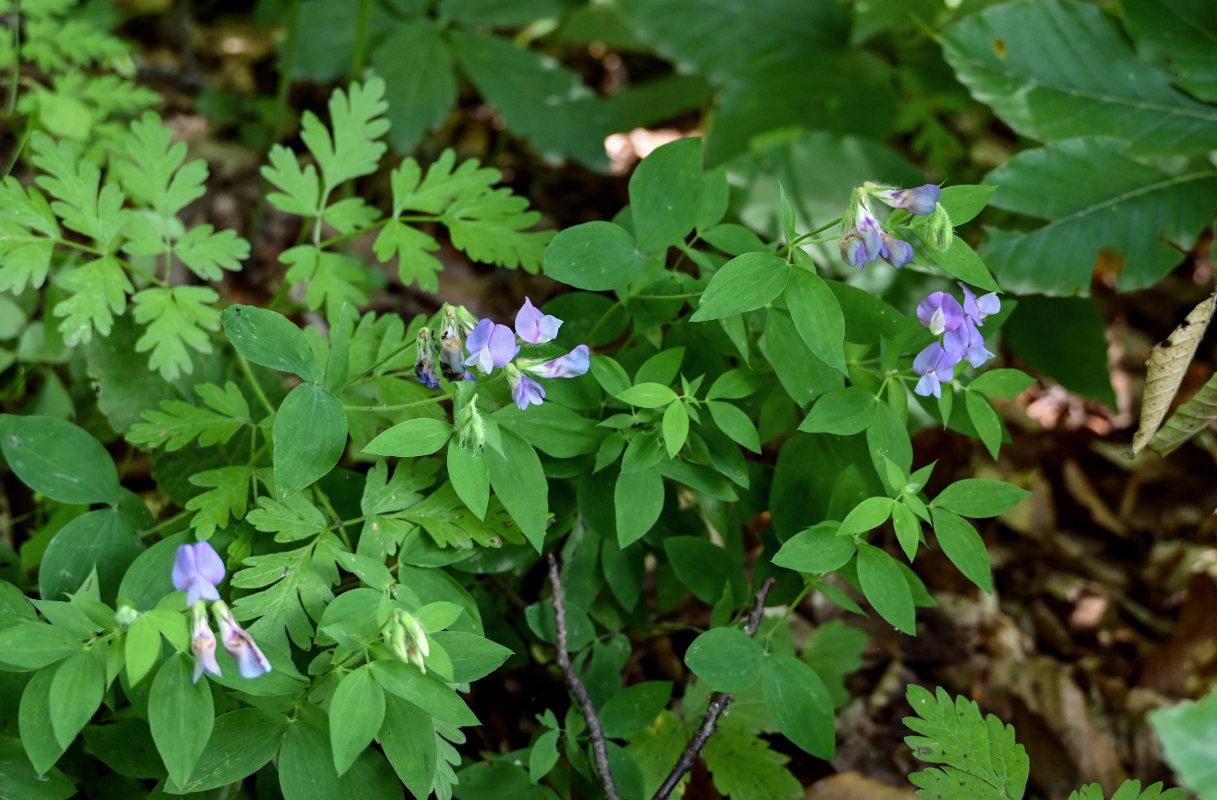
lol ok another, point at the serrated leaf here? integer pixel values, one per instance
(1042, 82)
(176, 318)
(1167, 364)
(227, 498)
(292, 581)
(99, 291)
(411, 246)
(207, 253)
(1096, 199)
(300, 189)
(179, 423)
(357, 121)
(152, 171)
(334, 279)
(82, 201)
(490, 228)
(744, 768)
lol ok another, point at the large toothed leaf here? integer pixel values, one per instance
(1055, 70)
(1165, 369)
(1096, 200)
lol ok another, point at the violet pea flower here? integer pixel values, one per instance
(202, 643)
(491, 345)
(920, 200)
(936, 366)
(977, 308)
(197, 570)
(896, 252)
(940, 313)
(853, 249)
(534, 327)
(869, 230)
(239, 644)
(525, 391)
(966, 343)
(571, 365)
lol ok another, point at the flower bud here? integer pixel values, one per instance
(938, 231)
(424, 363)
(470, 427)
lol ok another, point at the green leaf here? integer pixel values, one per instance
(300, 189)
(307, 773)
(1183, 730)
(310, 435)
(57, 459)
(176, 318)
(206, 253)
(964, 201)
(595, 256)
(816, 550)
(727, 659)
(983, 760)
(665, 195)
(817, 317)
(412, 247)
(241, 743)
(979, 497)
(473, 657)
(75, 695)
(414, 437)
(984, 417)
(491, 227)
(843, 412)
(634, 708)
(638, 501)
(35, 645)
(800, 704)
(470, 479)
(361, 705)
(179, 423)
(744, 283)
(99, 290)
(151, 170)
(1076, 353)
(1002, 383)
(744, 768)
(702, 566)
(101, 540)
(867, 515)
(675, 428)
(1042, 83)
(292, 579)
(420, 83)
(908, 529)
(963, 545)
(1097, 201)
(424, 691)
(538, 98)
(227, 497)
(80, 199)
(961, 261)
(647, 395)
(18, 778)
(519, 482)
(357, 122)
(409, 741)
(34, 721)
(1178, 33)
(271, 340)
(180, 715)
(735, 423)
(884, 586)
(334, 280)
(141, 648)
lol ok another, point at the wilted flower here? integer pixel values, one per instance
(424, 363)
(451, 351)
(869, 229)
(853, 249)
(534, 327)
(197, 570)
(524, 390)
(239, 644)
(571, 365)
(921, 200)
(491, 345)
(202, 643)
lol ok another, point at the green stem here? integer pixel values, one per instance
(400, 406)
(286, 65)
(10, 102)
(688, 296)
(168, 522)
(257, 387)
(361, 38)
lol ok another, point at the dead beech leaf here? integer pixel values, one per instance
(1165, 369)
(1188, 419)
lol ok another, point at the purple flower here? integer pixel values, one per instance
(491, 345)
(424, 363)
(940, 313)
(203, 644)
(936, 366)
(525, 391)
(920, 200)
(853, 249)
(869, 230)
(965, 342)
(571, 365)
(197, 570)
(239, 644)
(896, 252)
(534, 327)
(979, 308)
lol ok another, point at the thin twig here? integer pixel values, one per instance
(599, 747)
(719, 703)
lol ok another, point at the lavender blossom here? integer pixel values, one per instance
(202, 643)
(936, 366)
(197, 570)
(534, 327)
(977, 308)
(424, 363)
(940, 313)
(525, 391)
(571, 365)
(920, 200)
(239, 644)
(896, 252)
(491, 345)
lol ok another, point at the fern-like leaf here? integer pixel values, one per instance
(333, 279)
(1129, 790)
(177, 423)
(82, 202)
(99, 291)
(981, 757)
(227, 496)
(357, 120)
(412, 248)
(299, 188)
(177, 318)
(152, 171)
(206, 253)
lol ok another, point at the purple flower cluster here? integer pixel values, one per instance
(862, 236)
(493, 346)
(957, 325)
(197, 570)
